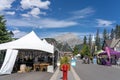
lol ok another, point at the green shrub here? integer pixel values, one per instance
(64, 60)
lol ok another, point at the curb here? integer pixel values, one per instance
(75, 75)
(54, 77)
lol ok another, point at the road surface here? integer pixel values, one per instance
(97, 72)
(27, 76)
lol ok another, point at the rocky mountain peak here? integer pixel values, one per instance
(70, 38)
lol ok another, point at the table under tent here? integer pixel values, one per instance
(27, 50)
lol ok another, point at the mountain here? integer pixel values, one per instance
(70, 38)
(61, 47)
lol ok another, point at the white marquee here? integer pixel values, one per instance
(30, 41)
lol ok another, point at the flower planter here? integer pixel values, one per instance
(65, 60)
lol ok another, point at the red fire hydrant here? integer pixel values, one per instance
(65, 71)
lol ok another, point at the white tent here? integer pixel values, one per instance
(30, 41)
(9, 61)
(45, 41)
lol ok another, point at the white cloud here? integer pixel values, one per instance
(40, 23)
(51, 23)
(83, 13)
(5, 4)
(25, 15)
(106, 23)
(19, 22)
(35, 6)
(18, 33)
(26, 4)
(35, 12)
(10, 13)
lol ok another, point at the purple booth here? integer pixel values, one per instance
(110, 52)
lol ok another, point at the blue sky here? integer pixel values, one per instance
(49, 18)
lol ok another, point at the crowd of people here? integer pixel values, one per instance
(86, 60)
(102, 60)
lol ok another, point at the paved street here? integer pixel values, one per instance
(27, 76)
(97, 72)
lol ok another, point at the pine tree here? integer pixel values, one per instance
(85, 40)
(90, 40)
(97, 41)
(90, 43)
(105, 35)
(75, 50)
(112, 34)
(85, 51)
(4, 34)
(117, 31)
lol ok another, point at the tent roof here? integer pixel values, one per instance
(98, 52)
(29, 41)
(45, 41)
(112, 52)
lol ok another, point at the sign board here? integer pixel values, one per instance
(50, 69)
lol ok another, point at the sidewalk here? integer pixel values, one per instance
(72, 75)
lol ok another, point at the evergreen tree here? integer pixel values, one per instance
(97, 41)
(90, 40)
(90, 43)
(85, 51)
(4, 34)
(75, 50)
(105, 35)
(112, 34)
(117, 31)
(11, 33)
(85, 40)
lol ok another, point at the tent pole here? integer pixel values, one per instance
(53, 61)
(58, 56)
